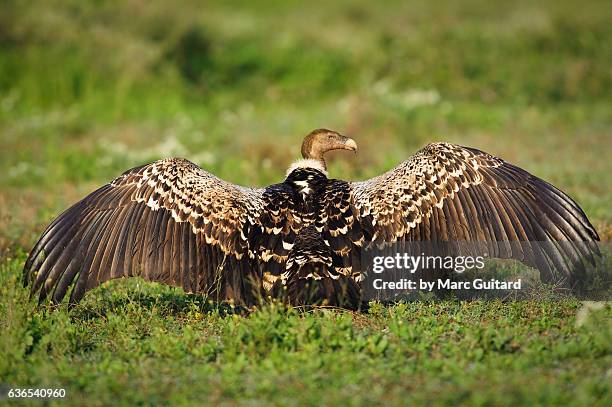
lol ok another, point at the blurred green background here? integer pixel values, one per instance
(89, 89)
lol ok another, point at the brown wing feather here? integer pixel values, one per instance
(452, 193)
(169, 221)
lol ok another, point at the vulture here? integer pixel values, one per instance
(174, 223)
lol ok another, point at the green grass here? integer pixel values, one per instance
(89, 89)
(145, 344)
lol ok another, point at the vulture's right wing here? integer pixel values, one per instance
(169, 221)
(449, 193)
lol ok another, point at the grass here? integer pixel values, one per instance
(89, 89)
(146, 344)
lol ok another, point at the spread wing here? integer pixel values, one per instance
(447, 193)
(169, 221)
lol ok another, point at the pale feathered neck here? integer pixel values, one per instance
(307, 163)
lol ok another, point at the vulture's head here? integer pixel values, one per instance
(320, 141)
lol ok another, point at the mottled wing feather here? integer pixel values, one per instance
(280, 222)
(450, 193)
(169, 222)
(341, 229)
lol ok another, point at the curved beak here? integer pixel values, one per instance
(349, 144)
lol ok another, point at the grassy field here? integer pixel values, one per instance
(89, 89)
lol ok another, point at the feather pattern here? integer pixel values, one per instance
(174, 223)
(169, 221)
(448, 193)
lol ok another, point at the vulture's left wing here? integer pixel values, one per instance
(169, 222)
(447, 193)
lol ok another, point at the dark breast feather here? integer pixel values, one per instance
(289, 208)
(450, 193)
(169, 222)
(312, 275)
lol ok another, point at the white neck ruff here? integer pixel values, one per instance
(307, 163)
